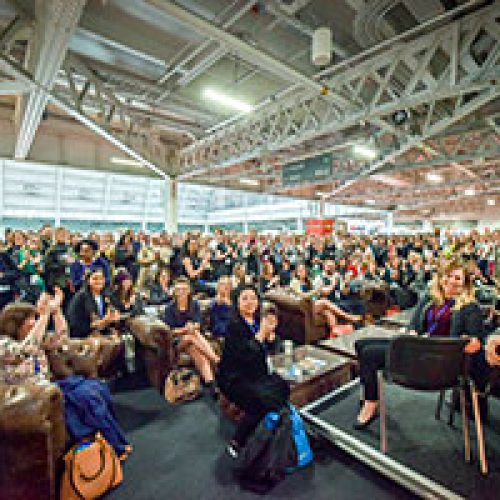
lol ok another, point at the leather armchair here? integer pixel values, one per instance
(296, 320)
(33, 434)
(376, 295)
(155, 346)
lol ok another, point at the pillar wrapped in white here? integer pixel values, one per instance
(321, 46)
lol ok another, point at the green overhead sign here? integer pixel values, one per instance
(318, 168)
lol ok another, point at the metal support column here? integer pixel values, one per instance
(171, 222)
(389, 223)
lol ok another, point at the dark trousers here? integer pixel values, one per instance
(372, 355)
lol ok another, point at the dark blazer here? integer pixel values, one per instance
(9, 274)
(243, 374)
(243, 357)
(466, 321)
(81, 312)
(136, 310)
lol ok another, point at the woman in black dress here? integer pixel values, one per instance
(243, 376)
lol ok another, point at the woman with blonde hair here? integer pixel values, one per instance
(448, 310)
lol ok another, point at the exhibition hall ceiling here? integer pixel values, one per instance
(402, 115)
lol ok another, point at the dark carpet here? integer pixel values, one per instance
(429, 446)
(178, 454)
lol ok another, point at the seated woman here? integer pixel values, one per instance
(268, 279)
(31, 264)
(221, 308)
(239, 278)
(243, 376)
(160, 290)
(197, 267)
(89, 310)
(124, 297)
(88, 258)
(9, 274)
(23, 338)
(449, 310)
(183, 316)
(301, 285)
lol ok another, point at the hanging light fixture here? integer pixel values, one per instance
(321, 47)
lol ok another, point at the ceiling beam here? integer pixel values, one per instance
(14, 87)
(460, 111)
(12, 68)
(244, 50)
(56, 21)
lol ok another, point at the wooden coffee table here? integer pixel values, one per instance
(344, 345)
(324, 372)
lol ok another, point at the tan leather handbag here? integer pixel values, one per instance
(182, 385)
(90, 470)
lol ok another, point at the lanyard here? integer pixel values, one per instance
(254, 328)
(434, 322)
(100, 306)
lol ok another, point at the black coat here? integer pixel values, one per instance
(243, 374)
(9, 274)
(136, 310)
(81, 312)
(466, 321)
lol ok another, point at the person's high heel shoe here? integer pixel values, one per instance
(359, 426)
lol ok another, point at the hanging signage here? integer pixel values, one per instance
(318, 168)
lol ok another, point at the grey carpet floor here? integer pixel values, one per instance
(179, 455)
(426, 445)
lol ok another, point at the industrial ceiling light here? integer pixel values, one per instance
(432, 177)
(400, 117)
(227, 101)
(365, 151)
(469, 192)
(117, 160)
(491, 202)
(250, 182)
(321, 52)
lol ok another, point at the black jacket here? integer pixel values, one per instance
(56, 267)
(9, 274)
(81, 312)
(244, 358)
(466, 321)
(136, 310)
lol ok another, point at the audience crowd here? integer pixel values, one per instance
(86, 284)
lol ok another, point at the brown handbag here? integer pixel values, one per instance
(90, 472)
(182, 385)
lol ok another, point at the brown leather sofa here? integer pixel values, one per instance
(33, 434)
(296, 320)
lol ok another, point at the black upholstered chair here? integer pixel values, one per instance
(430, 364)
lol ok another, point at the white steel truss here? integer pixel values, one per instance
(54, 26)
(450, 82)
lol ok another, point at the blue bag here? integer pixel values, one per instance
(304, 452)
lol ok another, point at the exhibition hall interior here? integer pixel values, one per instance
(249, 248)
